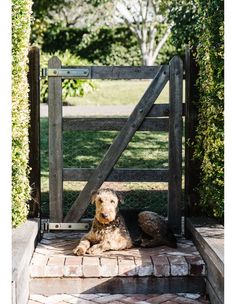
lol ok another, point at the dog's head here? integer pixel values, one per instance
(106, 202)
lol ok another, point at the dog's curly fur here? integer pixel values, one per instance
(110, 231)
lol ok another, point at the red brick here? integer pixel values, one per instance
(134, 299)
(196, 265)
(109, 267)
(55, 266)
(182, 300)
(56, 260)
(73, 267)
(162, 298)
(126, 266)
(109, 298)
(178, 266)
(91, 267)
(161, 266)
(144, 266)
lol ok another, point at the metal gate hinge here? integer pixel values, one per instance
(67, 73)
(47, 226)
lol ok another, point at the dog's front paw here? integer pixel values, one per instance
(79, 250)
(95, 249)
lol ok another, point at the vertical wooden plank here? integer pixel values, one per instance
(175, 144)
(192, 166)
(55, 143)
(34, 130)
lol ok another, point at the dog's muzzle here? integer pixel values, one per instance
(104, 215)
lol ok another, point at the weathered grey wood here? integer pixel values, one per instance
(112, 124)
(175, 144)
(192, 166)
(55, 143)
(118, 175)
(209, 239)
(119, 144)
(212, 292)
(34, 130)
(120, 72)
(162, 110)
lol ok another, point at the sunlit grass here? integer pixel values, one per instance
(117, 92)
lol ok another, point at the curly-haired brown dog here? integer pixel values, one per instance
(112, 230)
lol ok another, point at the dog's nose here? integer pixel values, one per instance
(104, 215)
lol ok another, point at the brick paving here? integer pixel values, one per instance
(55, 269)
(119, 299)
(53, 258)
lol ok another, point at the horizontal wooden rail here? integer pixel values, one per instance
(118, 72)
(112, 124)
(162, 110)
(118, 175)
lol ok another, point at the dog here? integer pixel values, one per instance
(114, 229)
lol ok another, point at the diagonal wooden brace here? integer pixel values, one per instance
(119, 144)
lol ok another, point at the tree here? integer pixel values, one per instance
(144, 17)
(147, 19)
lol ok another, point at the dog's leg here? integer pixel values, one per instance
(117, 243)
(82, 247)
(98, 248)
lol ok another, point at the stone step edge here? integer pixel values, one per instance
(158, 266)
(115, 285)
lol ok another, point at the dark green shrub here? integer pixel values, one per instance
(105, 46)
(200, 24)
(21, 14)
(210, 140)
(70, 87)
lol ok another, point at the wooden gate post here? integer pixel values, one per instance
(55, 143)
(175, 144)
(192, 166)
(34, 130)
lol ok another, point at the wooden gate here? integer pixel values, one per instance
(146, 116)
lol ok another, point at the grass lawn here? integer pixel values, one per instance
(115, 92)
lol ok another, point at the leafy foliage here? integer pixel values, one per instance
(70, 87)
(200, 24)
(105, 46)
(21, 12)
(210, 140)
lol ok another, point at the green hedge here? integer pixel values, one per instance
(210, 132)
(200, 23)
(21, 14)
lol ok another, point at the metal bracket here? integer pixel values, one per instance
(67, 73)
(47, 226)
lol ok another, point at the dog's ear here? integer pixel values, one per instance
(94, 193)
(120, 198)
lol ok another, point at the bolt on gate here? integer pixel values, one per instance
(146, 116)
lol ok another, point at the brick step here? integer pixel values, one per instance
(54, 268)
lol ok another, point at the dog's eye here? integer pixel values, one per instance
(100, 200)
(113, 202)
